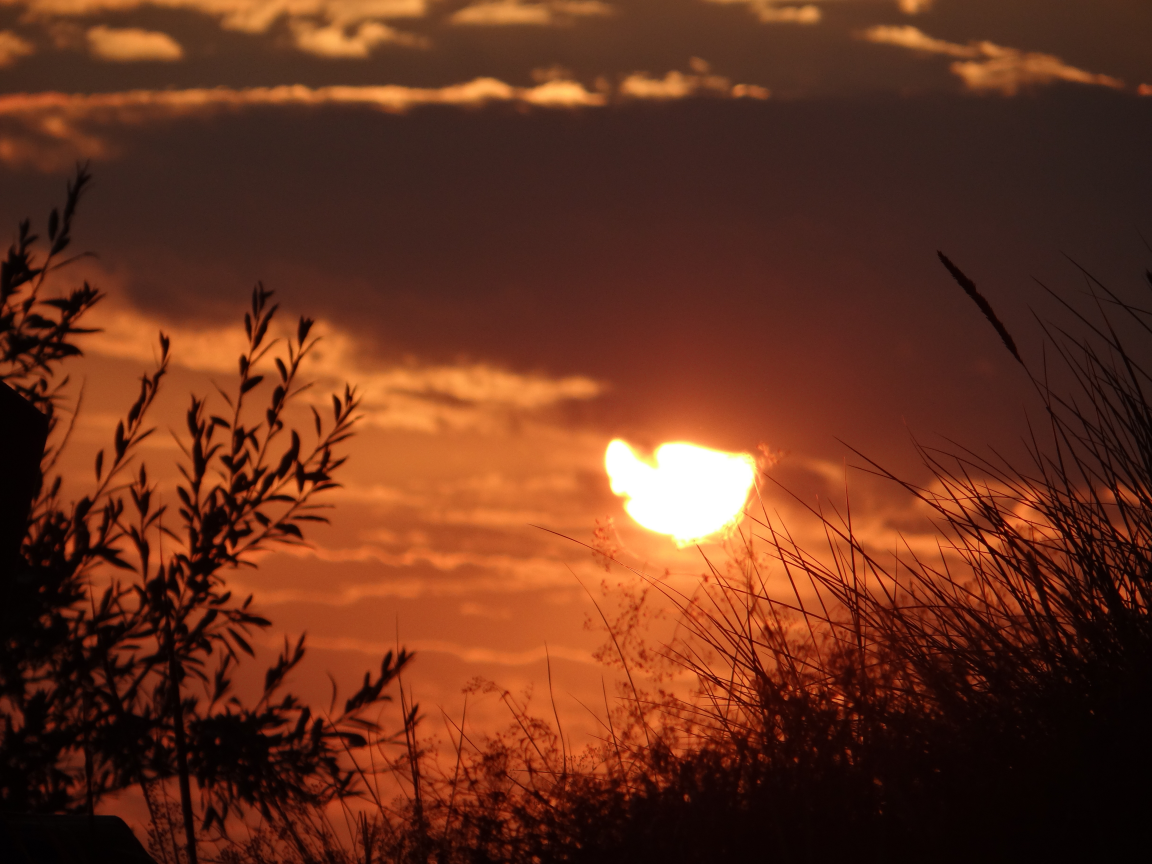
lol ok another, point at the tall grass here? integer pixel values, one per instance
(994, 701)
(990, 703)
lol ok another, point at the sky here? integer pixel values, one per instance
(528, 228)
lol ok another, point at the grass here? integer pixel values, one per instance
(990, 704)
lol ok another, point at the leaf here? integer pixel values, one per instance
(249, 383)
(113, 558)
(262, 328)
(242, 642)
(289, 528)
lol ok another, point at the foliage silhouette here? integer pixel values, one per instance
(99, 689)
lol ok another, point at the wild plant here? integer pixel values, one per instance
(133, 685)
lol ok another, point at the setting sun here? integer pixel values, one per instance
(689, 493)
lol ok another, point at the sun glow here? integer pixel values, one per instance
(689, 493)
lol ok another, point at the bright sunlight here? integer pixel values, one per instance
(689, 493)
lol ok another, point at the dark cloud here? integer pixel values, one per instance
(762, 268)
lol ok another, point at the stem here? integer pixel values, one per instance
(181, 753)
(91, 804)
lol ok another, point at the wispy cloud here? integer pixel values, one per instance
(775, 12)
(914, 39)
(412, 397)
(129, 45)
(49, 131)
(770, 13)
(986, 66)
(335, 40)
(252, 16)
(680, 85)
(327, 28)
(504, 13)
(12, 48)
(467, 653)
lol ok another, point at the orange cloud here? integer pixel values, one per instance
(414, 398)
(467, 653)
(774, 12)
(1007, 70)
(914, 39)
(503, 13)
(253, 16)
(49, 131)
(333, 40)
(679, 85)
(327, 28)
(12, 48)
(987, 66)
(132, 45)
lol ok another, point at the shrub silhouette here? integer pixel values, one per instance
(133, 686)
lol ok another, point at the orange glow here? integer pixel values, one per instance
(689, 493)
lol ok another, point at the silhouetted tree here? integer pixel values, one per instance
(132, 685)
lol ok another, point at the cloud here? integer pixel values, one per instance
(12, 48)
(333, 40)
(132, 45)
(502, 13)
(252, 16)
(467, 653)
(1007, 70)
(680, 85)
(774, 12)
(914, 39)
(474, 397)
(987, 66)
(50, 130)
(327, 28)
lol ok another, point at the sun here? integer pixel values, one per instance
(687, 492)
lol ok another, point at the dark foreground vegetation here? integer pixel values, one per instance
(120, 638)
(992, 703)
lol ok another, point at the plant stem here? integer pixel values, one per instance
(181, 753)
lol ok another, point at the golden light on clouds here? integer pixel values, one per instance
(497, 13)
(128, 45)
(986, 66)
(12, 47)
(689, 493)
(772, 12)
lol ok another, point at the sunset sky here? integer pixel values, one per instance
(528, 228)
